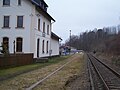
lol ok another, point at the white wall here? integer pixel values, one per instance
(13, 11)
(54, 47)
(30, 32)
(38, 34)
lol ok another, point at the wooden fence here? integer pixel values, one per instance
(14, 60)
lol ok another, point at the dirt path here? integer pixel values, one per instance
(82, 82)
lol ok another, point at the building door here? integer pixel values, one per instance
(19, 42)
(6, 43)
(38, 42)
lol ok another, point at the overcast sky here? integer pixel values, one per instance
(81, 15)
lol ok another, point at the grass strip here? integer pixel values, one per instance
(10, 72)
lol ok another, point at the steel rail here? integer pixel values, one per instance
(40, 81)
(105, 84)
(113, 71)
(92, 87)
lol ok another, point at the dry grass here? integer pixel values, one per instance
(25, 68)
(58, 81)
(25, 80)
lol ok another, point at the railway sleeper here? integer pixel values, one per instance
(115, 88)
(113, 85)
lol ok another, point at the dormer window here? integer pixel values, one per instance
(45, 9)
(6, 2)
(19, 2)
(41, 4)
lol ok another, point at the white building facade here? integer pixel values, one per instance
(55, 44)
(25, 27)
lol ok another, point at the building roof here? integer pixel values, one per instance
(41, 10)
(54, 36)
(38, 2)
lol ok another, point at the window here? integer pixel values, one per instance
(38, 42)
(43, 46)
(19, 44)
(43, 27)
(19, 2)
(47, 47)
(6, 2)
(6, 43)
(6, 21)
(42, 4)
(47, 29)
(19, 21)
(38, 24)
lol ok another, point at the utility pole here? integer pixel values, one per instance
(70, 38)
(70, 43)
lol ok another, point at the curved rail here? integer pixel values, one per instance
(40, 81)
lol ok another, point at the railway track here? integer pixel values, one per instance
(102, 77)
(48, 76)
